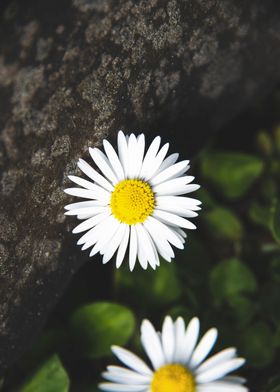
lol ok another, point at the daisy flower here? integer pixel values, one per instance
(135, 202)
(178, 362)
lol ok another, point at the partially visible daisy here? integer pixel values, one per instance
(134, 202)
(178, 362)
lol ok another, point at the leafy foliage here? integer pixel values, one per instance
(50, 377)
(96, 327)
(231, 278)
(223, 224)
(231, 172)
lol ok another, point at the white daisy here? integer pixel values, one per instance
(134, 202)
(178, 362)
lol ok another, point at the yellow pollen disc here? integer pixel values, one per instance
(132, 201)
(173, 378)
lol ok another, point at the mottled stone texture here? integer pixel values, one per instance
(74, 72)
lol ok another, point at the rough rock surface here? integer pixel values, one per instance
(74, 72)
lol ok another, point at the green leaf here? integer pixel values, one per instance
(50, 377)
(163, 284)
(232, 173)
(275, 222)
(97, 326)
(243, 307)
(231, 278)
(260, 214)
(222, 223)
(257, 344)
(268, 189)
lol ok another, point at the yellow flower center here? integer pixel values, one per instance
(132, 201)
(173, 378)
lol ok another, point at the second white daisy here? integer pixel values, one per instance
(178, 362)
(135, 202)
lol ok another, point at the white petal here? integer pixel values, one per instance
(131, 360)
(184, 202)
(132, 152)
(94, 175)
(180, 232)
(113, 369)
(91, 211)
(234, 379)
(179, 338)
(156, 255)
(204, 347)
(157, 161)
(152, 345)
(160, 242)
(114, 160)
(190, 340)
(94, 232)
(220, 370)
(221, 387)
(141, 248)
(84, 216)
(171, 172)
(150, 155)
(122, 247)
(174, 187)
(222, 356)
(103, 230)
(177, 211)
(84, 204)
(169, 161)
(82, 182)
(166, 232)
(104, 239)
(125, 376)
(114, 243)
(132, 248)
(102, 162)
(138, 159)
(175, 182)
(123, 151)
(179, 173)
(145, 244)
(91, 222)
(98, 193)
(168, 339)
(111, 387)
(180, 237)
(173, 219)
